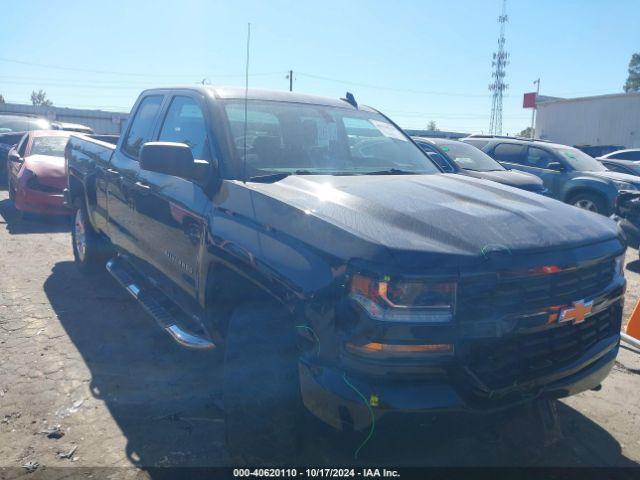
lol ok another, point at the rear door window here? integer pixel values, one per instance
(142, 125)
(509, 152)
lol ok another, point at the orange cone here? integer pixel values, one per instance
(633, 327)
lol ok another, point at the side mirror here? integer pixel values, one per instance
(169, 158)
(14, 156)
(557, 166)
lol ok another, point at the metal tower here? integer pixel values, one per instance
(497, 86)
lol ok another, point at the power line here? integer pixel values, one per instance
(448, 115)
(131, 74)
(390, 89)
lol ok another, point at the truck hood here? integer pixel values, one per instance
(49, 169)
(435, 218)
(513, 178)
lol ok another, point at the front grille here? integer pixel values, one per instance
(514, 359)
(507, 293)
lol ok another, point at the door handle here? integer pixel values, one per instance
(142, 186)
(111, 171)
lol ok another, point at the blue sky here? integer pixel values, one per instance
(415, 60)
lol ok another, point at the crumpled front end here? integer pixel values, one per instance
(521, 327)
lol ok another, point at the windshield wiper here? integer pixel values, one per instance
(275, 177)
(392, 171)
(475, 170)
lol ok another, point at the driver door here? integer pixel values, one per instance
(171, 210)
(537, 162)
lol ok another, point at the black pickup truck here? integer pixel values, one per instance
(336, 268)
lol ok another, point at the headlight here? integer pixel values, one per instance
(419, 301)
(624, 185)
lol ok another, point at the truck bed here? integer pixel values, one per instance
(83, 151)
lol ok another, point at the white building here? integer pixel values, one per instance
(100, 121)
(599, 121)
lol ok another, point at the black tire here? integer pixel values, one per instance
(261, 391)
(590, 201)
(4, 174)
(90, 251)
(12, 191)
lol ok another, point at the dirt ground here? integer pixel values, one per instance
(79, 360)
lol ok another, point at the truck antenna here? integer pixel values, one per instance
(246, 94)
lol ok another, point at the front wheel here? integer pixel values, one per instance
(262, 401)
(589, 201)
(90, 251)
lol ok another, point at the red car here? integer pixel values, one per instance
(36, 176)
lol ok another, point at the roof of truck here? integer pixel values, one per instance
(228, 93)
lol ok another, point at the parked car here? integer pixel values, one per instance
(346, 284)
(12, 128)
(569, 174)
(36, 177)
(598, 150)
(627, 154)
(458, 157)
(72, 127)
(630, 167)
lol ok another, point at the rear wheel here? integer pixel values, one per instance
(90, 251)
(589, 201)
(262, 402)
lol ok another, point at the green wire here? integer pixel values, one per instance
(373, 418)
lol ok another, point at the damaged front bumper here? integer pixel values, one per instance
(351, 402)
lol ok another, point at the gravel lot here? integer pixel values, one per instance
(79, 353)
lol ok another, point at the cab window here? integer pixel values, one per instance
(185, 123)
(142, 125)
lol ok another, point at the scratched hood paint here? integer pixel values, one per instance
(443, 216)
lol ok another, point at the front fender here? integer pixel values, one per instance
(282, 265)
(601, 187)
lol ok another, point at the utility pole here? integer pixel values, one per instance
(535, 107)
(290, 77)
(497, 86)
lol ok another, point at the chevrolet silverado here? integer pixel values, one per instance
(336, 268)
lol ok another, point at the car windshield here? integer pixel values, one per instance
(579, 160)
(53, 146)
(11, 123)
(288, 138)
(469, 157)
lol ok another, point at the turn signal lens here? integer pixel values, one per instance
(375, 347)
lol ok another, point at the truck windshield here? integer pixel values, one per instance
(469, 157)
(291, 138)
(580, 161)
